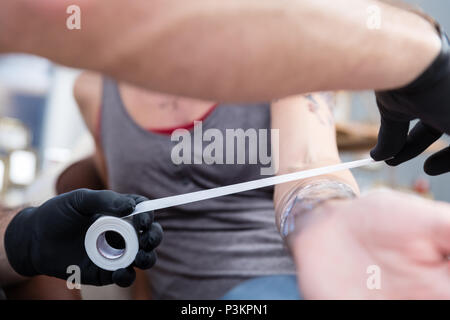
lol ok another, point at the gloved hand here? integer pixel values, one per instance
(427, 99)
(47, 239)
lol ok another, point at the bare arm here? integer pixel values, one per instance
(87, 93)
(228, 50)
(337, 244)
(307, 140)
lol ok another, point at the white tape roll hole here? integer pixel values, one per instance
(101, 253)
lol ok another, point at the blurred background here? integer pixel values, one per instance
(41, 130)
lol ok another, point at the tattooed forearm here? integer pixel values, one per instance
(330, 99)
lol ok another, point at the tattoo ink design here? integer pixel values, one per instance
(330, 99)
(313, 104)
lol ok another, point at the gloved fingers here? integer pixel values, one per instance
(145, 260)
(91, 202)
(124, 277)
(438, 163)
(99, 277)
(419, 139)
(391, 139)
(151, 238)
(148, 241)
(143, 221)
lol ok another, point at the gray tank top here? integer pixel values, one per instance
(211, 246)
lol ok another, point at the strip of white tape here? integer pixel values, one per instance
(108, 258)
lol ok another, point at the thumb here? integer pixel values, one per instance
(89, 202)
(391, 139)
(124, 277)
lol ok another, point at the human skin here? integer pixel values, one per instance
(244, 49)
(307, 140)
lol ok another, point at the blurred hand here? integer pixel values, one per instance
(426, 99)
(407, 237)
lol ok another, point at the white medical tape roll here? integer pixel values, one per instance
(182, 199)
(101, 253)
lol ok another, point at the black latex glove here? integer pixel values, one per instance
(47, 239)
(427, 99)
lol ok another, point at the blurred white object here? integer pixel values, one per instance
(25, 73)
(13, 135)
(22, 167)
